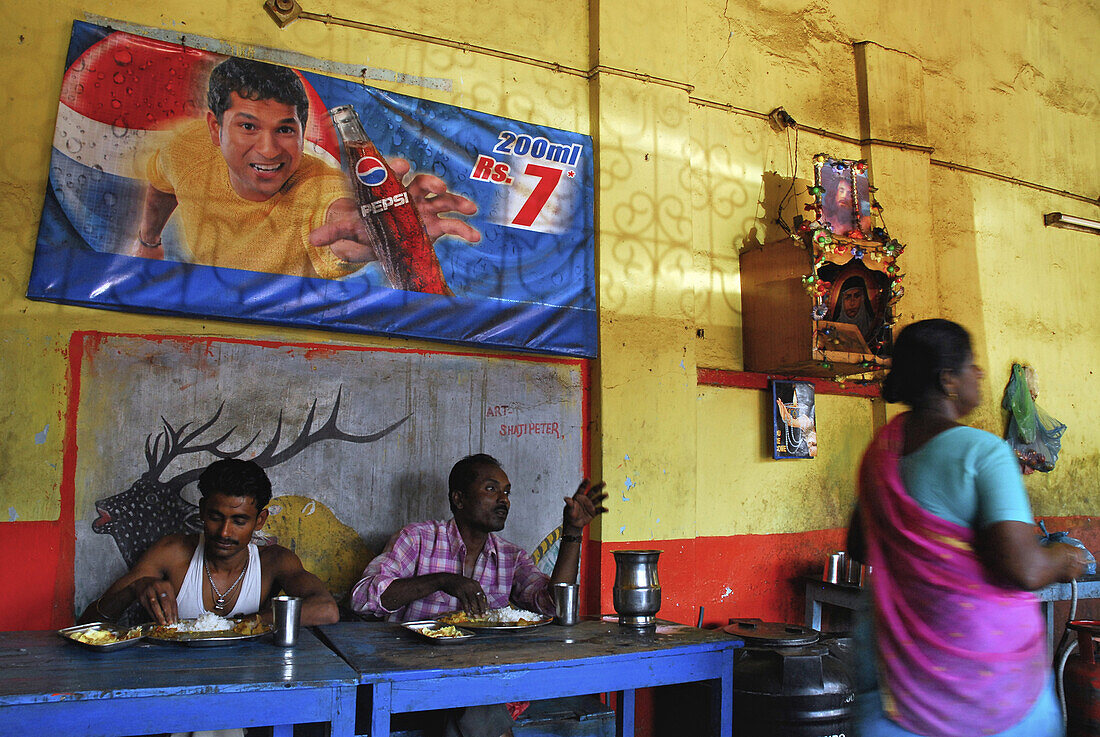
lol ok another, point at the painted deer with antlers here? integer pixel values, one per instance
(151, 508)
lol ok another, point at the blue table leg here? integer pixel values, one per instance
(725, 709)
(343, 712)
(813, 606)
(282, 730)
(720, 714)
(380, 710)
(625, 721)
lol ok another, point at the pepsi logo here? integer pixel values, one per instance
(370, 171)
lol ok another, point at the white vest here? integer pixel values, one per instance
(189, 598)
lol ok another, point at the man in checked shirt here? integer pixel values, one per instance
(433, 567)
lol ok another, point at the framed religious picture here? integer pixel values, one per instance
(856, 311)
(844, 197)
(794, 426)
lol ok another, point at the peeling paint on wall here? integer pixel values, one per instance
(40, 437)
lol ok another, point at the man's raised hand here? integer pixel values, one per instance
(583, 507)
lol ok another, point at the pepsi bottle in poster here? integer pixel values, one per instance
(392, 224)
(187, 182)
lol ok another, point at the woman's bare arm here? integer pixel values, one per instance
(1012, 551)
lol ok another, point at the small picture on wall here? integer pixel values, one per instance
(794, 428)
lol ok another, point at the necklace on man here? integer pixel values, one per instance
(219, 598)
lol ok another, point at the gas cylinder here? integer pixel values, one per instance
(788, 684)
(1081, 681)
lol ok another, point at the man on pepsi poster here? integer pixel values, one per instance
(249, 197)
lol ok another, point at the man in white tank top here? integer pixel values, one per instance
(219, 570)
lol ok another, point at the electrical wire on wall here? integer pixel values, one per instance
(782, 120)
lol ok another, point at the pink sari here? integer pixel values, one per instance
(958, 653)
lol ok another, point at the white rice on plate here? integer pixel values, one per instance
(511, 614)
(207, 622)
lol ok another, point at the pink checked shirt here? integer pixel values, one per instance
(504, 570)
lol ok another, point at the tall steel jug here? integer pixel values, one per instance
(637, 592)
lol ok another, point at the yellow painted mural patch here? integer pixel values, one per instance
(328, 548)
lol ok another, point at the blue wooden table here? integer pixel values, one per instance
(404, 673)
(50, 686)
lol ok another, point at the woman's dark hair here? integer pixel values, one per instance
(233, 477)
(255, 80)
(465, 471)
(921, 353)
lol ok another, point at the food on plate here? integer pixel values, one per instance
(251, 626)
(505, 615)
(442, 632)
(207, 622)
(105, 637)
(210, 625)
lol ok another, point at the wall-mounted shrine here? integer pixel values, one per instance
(821, 302)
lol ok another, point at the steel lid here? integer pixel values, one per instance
(772, 634)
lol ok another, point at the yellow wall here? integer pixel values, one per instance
(673, 94)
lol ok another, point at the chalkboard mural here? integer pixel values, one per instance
(357, 442)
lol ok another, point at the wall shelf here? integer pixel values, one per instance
(755, 380)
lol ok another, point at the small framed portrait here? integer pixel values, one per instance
(845, 197)
(856, 308)
(794, 425)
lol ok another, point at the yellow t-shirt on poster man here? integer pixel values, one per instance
(221, 228)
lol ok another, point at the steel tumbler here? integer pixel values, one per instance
(566, 603)
(287, 612)
(636, 593)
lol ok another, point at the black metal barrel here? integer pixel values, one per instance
(788, 684)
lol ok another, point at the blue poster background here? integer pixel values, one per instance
(524, 285)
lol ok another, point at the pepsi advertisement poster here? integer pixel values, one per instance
(186, 182)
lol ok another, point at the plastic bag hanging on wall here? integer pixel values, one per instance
(1033, 435)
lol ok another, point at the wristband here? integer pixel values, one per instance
(143, 242)
(571, 538)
